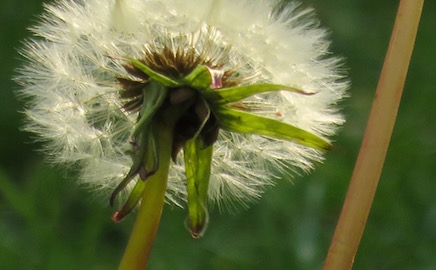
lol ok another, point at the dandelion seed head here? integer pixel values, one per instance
(75, 65)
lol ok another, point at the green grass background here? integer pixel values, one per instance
(47, 222)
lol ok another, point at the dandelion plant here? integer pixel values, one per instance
(189, 102)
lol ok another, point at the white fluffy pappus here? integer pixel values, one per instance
(74, 58)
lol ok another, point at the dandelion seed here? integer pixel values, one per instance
(245, 91)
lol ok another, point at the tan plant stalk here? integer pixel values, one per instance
(375, 143)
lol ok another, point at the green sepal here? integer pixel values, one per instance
(199, 78)
(132, 173)
(238, 93)
(154, 95)
(138, 157)
(131, 202)
(198, 162)
(243, 122)
(160, 78)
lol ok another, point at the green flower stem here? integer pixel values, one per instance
(147, 221)
(375, 143)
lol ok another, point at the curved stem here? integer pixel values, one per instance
(375, 143)
(148, 218)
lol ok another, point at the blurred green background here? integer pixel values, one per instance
(47, 222)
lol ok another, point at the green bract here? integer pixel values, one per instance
(194, 108)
